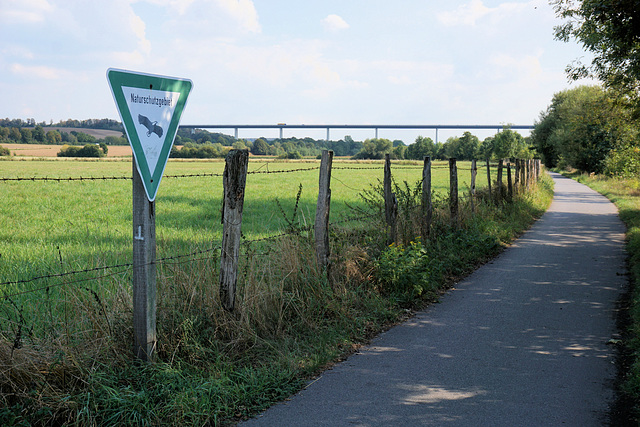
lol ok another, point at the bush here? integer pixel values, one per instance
(623, 162)
(293, 155)
(199, 151)
(4, 151)
(89, 150)
(408, 272)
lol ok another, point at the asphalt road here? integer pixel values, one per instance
(521, 342)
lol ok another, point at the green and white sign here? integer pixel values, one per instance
(150, 107)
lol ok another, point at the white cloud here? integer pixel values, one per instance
(466, 14)
(469, 14)
(24, 11)
(244, 12)
(37, 72)
(138, 27)
(334, 23)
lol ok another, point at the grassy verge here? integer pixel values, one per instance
(216, 367)
(625, 193)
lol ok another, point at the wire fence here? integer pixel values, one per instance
(205, 175)
(187, 257)
(12, 291)
(160, 261)
(182, 257)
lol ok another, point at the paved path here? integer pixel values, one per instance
(521, 342)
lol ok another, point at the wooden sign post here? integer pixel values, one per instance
(144, 271)
(150, 107)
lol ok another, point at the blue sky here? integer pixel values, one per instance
(297, 62)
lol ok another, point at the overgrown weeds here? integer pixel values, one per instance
(75, 365)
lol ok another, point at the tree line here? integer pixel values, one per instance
(592, 129)
(40, 135)
(505, 144)
(106, 124)
(199, 143)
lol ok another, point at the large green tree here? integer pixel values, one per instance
(581, 127)
(374, 148)
(610, 29)
(463, 148)
(421, 148)
(260, 147)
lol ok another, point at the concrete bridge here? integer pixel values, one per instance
(283, 126)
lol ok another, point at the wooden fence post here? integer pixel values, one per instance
(427, 205)
(390, 202)
(499, 180)
(144, 271)
(453, 191)
(489, 179)
(474, 172)
(321, 228)
(517, 176)
(509, 183)
(234, 182)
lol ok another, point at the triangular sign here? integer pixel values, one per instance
(150, 107)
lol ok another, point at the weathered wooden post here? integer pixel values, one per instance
(489, 179)
(509, 183)
(427, 205)
(234, 181)
(390, 202)
(453, 191)
(499, 179)
(144, 271)
(321, 228)
(474, 172)
(516, 176)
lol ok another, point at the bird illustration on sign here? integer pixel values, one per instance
(152, 127)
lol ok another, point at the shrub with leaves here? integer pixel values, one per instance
(408, 272)
(89, 150)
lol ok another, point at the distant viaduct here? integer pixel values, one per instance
(283, 126)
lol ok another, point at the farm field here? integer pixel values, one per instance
(49, 226)
(47, 150)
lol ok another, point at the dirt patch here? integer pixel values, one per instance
(98, 133)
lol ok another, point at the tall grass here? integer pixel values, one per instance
(65, 351)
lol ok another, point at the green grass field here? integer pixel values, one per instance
(49, 227)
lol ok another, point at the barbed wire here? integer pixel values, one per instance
(164, 260)
(107, 178)
(65, 274)
(343, 183)
(357, 168)
(200, 175)
(284, 171)
(86, 178)
(59, 275)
